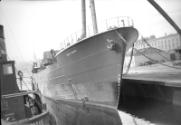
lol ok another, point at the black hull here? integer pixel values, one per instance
(88, 74)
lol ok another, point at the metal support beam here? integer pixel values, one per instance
(165, 15)
(3, 52)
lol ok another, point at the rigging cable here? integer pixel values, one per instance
(144, 40)
(152, 60)
(129, 64)
(156, 60)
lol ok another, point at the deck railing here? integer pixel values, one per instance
(26, 83)
(103, 26)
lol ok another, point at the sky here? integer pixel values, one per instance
(32, 27)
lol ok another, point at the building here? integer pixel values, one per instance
(166, 43)
(166, 48)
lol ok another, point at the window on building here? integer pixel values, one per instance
(173, 40)
(177, 42)
(169, 44)
(173, 43)
(166, 44)
(163, 44)
(154, 43)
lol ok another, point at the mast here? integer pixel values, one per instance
(3, 55)
(83, 12)
(93, 14)
(165, 15)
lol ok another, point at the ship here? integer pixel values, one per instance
(84, 84)
(18, 106)
(81, 82)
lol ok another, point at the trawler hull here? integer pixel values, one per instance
(71, 112)
(84, 82)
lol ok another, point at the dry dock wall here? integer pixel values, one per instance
(152, 100)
